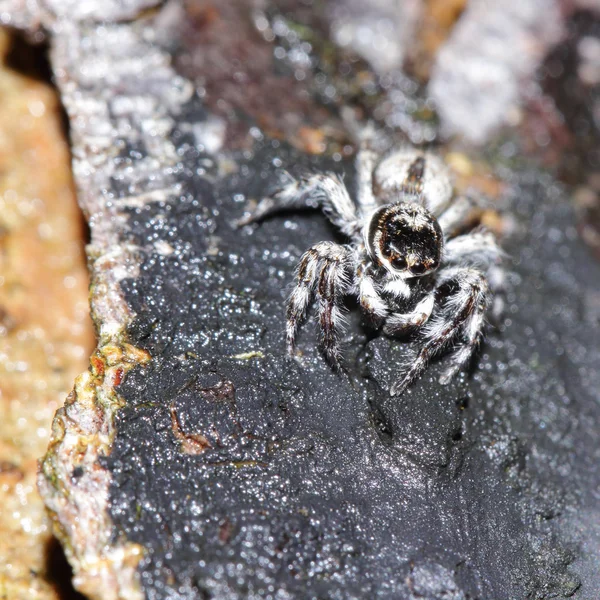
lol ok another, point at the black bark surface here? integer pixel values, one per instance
(248, 474)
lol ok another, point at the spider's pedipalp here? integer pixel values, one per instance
(370, 298)
(326, 191)
(400, 323)
(326, 271)
(398, 288)
(461, 300)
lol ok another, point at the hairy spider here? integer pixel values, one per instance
(413, 259)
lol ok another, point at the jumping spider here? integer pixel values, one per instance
(411, 260)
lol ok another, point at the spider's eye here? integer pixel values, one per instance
(405, 238)
(399, 263)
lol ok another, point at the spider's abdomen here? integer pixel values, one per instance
(412, 173)
(405, 238)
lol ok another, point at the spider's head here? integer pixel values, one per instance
(405, 239)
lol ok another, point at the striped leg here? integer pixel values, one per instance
(461, 214)
(461, 301)
(366, 161)
(326, 191)
(325, 273)
(481, 250)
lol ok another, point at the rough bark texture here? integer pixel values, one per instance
(111, 80)
(46, 334)
(196, 460)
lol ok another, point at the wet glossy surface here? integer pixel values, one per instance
(305, 482)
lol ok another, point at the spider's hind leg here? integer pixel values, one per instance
(479, 248)
(367, 158)
(326, 191)
(462, 297)
(326, 272)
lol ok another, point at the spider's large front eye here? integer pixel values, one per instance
(406, 239)
(399, 262)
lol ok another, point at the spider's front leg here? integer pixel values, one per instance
(325, 273)
(461, 299)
